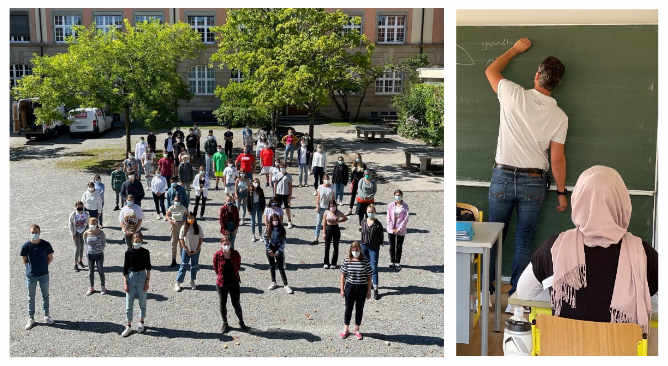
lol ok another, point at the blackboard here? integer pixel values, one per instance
(609, 92)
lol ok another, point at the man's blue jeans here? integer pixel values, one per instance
(318, 224)
(31, 283)
(372, 257)
(256, 219)
(188, 260)
(338, 192)
(136, 282)
(510, 190)
(289, 152)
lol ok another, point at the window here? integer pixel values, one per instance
(16, 72)
(148, 18)
(236, 76)
(63, 26)
(352, 26)
(389, 83)
(19, 27)
(391, 28)
(202, 80)
(107, 22)
(202, 24)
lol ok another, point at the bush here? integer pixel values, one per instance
(420, 109)
(237, 108)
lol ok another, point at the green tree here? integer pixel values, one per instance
(421, 110)
(132, 71)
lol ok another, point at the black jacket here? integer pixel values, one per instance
(249, 200)
(186, 172)
(372, 236)
(309, 155)
(151, 139)
(191, 141)
(136, 189)
(340, 174)
(356, 175)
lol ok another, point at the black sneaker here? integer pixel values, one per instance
(76, 268)
(225, 328)
(243, 325)
(173, 263)
(315, 242)
(375, 294)
(116, 208)
(83, 266)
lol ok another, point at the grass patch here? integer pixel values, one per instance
(98, 161)
(340, 124)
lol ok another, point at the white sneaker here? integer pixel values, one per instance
(288, 290)
(177, 287)
(127, 331)
(254, 238)
(158, 217)
(48, 319)
(326, 266)
(272, 286)
(315, 193)
(104, 291)
(140, 328)
(289, 224)
(30, 323)
(90, 291)
(193, 285)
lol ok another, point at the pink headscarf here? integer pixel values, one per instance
(601, 211)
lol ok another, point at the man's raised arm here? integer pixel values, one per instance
(494, 70)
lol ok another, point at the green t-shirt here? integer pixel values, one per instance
(219, 161)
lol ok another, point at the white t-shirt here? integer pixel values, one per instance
(528, 121)
(326, 195)
(190, 239)
(230, 174)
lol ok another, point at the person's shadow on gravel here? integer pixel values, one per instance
(149, 296)
(284, 334)
(244, 290)
(179, 333)
(411, 290)
(409, 339)
(95, 327)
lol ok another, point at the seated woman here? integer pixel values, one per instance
(597, 271)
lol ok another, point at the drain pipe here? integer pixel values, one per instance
(422, 32)
(41, 33)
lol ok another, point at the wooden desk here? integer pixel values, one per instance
(486, 234)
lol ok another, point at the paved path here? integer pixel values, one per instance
(406, 321)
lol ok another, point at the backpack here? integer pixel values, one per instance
(210, 146)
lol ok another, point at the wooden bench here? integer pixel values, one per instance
(425, 156)
(372, 130)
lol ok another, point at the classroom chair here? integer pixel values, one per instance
(556, 336)
(463, 209)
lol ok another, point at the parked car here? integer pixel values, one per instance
(25, 121)
(89, 120)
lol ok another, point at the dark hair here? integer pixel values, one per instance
(76, 204)
(91, 184)
(281, 229)
(551, 70)
(173, 179)
(350, 250)
(195, 225)
(35, 226)
(399, 191)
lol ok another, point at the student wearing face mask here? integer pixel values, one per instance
(166, 167)
(397, 224)
(140, 149)
(190, 242)
(148, 162)
(356, 174)
(201, 188)
(99, 188)
(372, 239)
(136, 279)
(177, 190)
(274, 208)
(355, 287)
(230, 175)
(261, 144)
(241, 195)
(256, 206)
(130, 164)
(130, 218)
(340, 175)
(37, 254)
(304, 157)
(290, 141)
(95, 241)
(318, 165)
(92, 201)
(283, 190)
(266, 161)
(117, 178)
(176, 216)
(78, 223)
(186, 171)
(228, 136)
(324, 195)
(228, 218)
(133, 187)
(246, 163)
(275, 246)
(226, 264)
(219, 162)
(366, 190)
(332, 233)
(158, 190)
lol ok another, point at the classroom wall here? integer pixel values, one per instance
(555, 17)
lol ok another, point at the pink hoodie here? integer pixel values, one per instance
(400, 222)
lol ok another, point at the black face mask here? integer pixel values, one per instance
(79, 209)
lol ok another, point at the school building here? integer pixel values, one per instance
(397, 34)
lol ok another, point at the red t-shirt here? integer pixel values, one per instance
(165, 166)
(246, 162)
(267, 157)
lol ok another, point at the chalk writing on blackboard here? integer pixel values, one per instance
(468, 60)
(505, 43)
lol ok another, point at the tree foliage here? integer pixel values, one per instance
(420, 111)
(131, 71)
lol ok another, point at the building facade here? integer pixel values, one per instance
(397, 33)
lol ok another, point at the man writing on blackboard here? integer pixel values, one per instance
(530, 123)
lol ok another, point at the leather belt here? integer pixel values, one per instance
(535, 172)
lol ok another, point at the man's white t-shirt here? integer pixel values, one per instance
(529, 120)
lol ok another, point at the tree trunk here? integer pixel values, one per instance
(359, 105)
(311, 130)
(341, 110)
(126, 112)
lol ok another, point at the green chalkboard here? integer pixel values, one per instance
(609, 92)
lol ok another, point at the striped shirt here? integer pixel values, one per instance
(356, 272)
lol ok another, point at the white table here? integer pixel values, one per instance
(486, 234)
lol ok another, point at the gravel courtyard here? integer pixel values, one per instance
(406, 321)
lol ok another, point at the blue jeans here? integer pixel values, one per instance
(208, 165)
(303, 174)
(372, 256)
(231, 236)
(31, 282)
(338, 192)
(256, 219)
(318, 224)
(194, 266)
(510, 190)
(289, 152)
(136, 282)
(241, 203)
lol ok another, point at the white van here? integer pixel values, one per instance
(89, 120)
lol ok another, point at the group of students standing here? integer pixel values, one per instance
(243, 192)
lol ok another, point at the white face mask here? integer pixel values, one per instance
(275, 223)
(255, 184)
(34, 236)
(371, 215)
(397, 198)
(325, 182)
(283, 170)
(226, 248)
(332, 208)
(91, 189)
(356, 253)
(136, 245)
